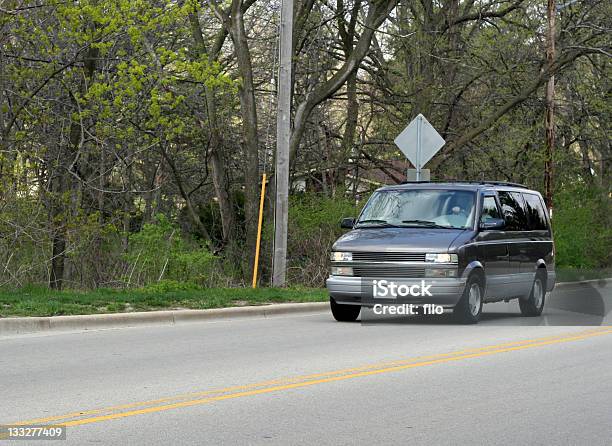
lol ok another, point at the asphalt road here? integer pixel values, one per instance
(309, 380)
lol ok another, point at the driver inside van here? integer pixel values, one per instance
(458, 218)
(460, 213)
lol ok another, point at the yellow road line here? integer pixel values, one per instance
(294, 379)
(308, 380)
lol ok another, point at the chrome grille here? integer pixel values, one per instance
(388, 257)
(389, 271)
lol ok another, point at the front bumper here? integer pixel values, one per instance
(352, 290)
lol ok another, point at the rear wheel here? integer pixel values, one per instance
(534, 305)
(469, 308)
(344, 313)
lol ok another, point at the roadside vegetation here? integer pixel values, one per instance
(40, 301)
(133, 135)
(582, 225)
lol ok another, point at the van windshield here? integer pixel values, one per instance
(419, 208)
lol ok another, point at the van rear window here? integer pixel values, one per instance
(536, 213)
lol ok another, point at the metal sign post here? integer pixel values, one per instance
(419, 146)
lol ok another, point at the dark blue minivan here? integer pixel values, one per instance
(470, 243)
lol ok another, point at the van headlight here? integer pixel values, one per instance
(341, 271)
(339, 256)
(442, 258)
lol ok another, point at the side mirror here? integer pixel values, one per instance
(492, 224)
(347, 223)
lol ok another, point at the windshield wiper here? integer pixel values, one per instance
(374, 222)
(426, 223)
(405, 223)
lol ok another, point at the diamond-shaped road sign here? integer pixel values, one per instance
(419, 141)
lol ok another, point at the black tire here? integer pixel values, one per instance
(344, 313)
(468, 310)
(534, 304)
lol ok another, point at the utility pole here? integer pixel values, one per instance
(283, 134)
(550, 107)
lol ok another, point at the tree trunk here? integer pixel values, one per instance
(248, 112)
(347, 34)
(550, 106)
(424, 60)
(60, 185)
(219, 174)
(58, 243)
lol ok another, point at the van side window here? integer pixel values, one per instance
(535, 210)
(514, 211)
(489, 209)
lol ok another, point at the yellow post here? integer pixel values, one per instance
(261, 207)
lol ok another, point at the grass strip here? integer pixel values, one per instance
(40, 301)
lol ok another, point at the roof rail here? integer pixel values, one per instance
(492, 183)
(505, 183)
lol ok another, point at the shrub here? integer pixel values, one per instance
(314, 225)
(582, 227)
(159, 251)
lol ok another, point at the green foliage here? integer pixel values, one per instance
(127, 79)
(160, 251)
(310, 212)
(314, 225)
(582, 227)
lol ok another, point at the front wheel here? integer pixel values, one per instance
(344, 313)
(469, 308)
(534, 305)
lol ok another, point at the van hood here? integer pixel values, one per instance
(400, 239)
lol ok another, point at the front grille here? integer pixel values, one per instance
(388, 257)
(407, 272)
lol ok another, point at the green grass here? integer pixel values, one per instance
(39, 301)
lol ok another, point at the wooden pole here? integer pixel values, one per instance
(283, 133)
(261, 208)
(550, 107)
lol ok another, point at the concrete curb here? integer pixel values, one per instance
(19, 325)
(584, 282)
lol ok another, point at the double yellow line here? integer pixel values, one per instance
(276, 385)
